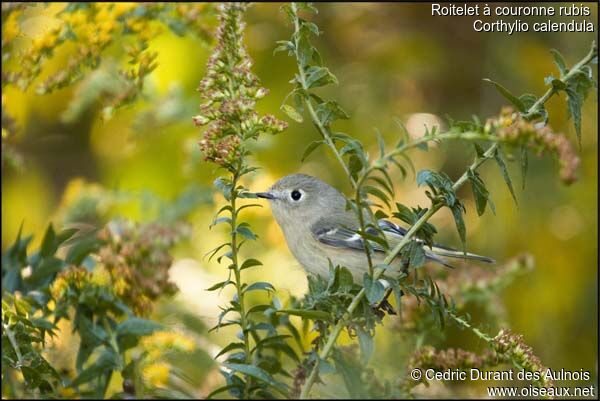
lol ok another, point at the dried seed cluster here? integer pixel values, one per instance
(229, 92)
(512, 128)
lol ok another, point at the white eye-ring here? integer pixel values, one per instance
(296, 195)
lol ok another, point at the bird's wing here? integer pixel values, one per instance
(343, 233)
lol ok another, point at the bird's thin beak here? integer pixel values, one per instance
(265, 195)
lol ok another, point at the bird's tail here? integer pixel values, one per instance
(453, 253)
(437, 251)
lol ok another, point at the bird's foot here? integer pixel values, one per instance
(384, 307)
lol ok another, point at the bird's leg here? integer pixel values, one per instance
(384, 305)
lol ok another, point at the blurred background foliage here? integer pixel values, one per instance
(110, 144)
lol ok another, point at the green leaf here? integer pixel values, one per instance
(574, 103)
(434, 179)
(130, 330)
(405, 214)
(221, 390)
(308, 7)
(244, 230)
(250, 263)
(528, 100)
(414, 254)
(319, 76)
(257, 373)
(304, 50)
(367, 346)
(47, 268)
(508, 95)
(224, 185)
(558, 84)
(138, 327)
(374, 290)
(292, 113)
(345, 279)
(283, 45)
(219, 220)
(500, 161)
(457, 212)
(107, 362)
(259, 285)
(49, 243)
(330, 111)
(480, 192)
(230, 347)
(355, 165)
(308, 314)
(560, 62)
(311, 148)
(81, 248)
(478, 150)
(258, 308)
(351, 373)
(220, 285)
(377, 193)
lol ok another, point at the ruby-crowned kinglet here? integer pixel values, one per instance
(319, 229)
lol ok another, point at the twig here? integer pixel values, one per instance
(421, 221)
(13, 342)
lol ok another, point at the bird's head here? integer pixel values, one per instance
(301, 198)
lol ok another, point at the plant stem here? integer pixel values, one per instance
(313, 114)
(237, 273)
(423, 219)
(489, 153)
(574, 70)
(378, 272)
(13, 342)
(469, 326)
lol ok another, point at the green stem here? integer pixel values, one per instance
(327, 137)
(465, 324)
(419, 223)
(313, 114)
(238, 273)
(378, 272)
(469, 136)
(423, 219)
(13, 342)
(552, 90)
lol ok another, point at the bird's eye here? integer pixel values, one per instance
(296, 195)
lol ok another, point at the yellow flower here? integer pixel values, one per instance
(76, 18)
(154, 354)
(67, 392)
(121, 286)
(156, 374)
(100, 277)
(11, 29)
(136, 25)
(58, 288)
(169, 339)
(122, 8)
(104, 11)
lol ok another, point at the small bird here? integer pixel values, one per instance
(319, 230)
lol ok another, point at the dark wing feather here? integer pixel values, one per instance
(342, 233)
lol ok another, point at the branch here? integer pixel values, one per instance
(489, 153)
(13, 342)
(311, 110)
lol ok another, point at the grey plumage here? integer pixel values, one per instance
(318, 228)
